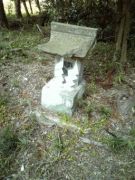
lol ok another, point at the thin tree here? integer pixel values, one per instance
(18, 8)
(3, 18)
(38, 5)
(30, 6)
(25, 7)
(123, 8)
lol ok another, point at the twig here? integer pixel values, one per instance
(16, 50)
(95, 143)
(110, 133)
(40, 30)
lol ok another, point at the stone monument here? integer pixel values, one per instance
(69, 44)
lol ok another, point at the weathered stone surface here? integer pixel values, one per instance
(66, 41)
(126, 104)
(68, 72)
(61, 98)
(69, 40)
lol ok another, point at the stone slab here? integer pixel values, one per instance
(126, 104)
(69, 40)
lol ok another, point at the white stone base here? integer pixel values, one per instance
(60, 97)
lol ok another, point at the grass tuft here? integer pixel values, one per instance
(8, 141)
(119, 144)
(105, 112)
(15, 44)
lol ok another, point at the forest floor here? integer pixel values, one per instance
(98, 142)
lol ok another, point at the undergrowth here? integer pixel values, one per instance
(8, 141)
(8, 150)
(15, 44)
(120, 144)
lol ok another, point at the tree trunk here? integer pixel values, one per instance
(3, 18)
(26, 9)
(38, 5)
(30, 7)
(18, 8)
(126, 7)
(123, 29)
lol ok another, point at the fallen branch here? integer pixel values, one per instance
(91, 142)
(40, 30)
(16, 50)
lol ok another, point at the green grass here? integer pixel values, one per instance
(17, 43)
(119, 78)
(8, 150)
(91, 88)
(4, 99)
(105, 112)
(119, 144)
(101, 61)
(8, 141)
(4, 114)
(132, 132)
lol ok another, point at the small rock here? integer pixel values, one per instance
(125, 104)
(22, 168)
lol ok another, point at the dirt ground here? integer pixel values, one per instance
(96, 143)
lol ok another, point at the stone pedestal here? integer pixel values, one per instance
(62, 92)
(60, 98)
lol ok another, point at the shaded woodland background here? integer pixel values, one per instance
(114, 18)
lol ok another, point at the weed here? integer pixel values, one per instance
(118, 144)
(8, 141)
(65, 118)
(81, 104)
(91, 88)
(15, 83)
(89, 109)
(3, 100)
(8, 150)
(58, 144)
(121, 144)
(4, 45)
(16, 43)
(23, 142)
(4, 110)
(119, 78)
(105, 112)
(4, 116)
(103, 53)
(100, 124)
(132, 132)
(84, 124)
(116, 65)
